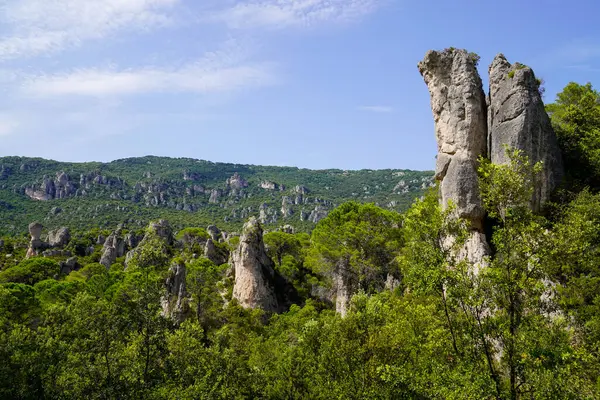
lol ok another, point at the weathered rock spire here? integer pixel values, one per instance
(254, 270)
(517, 118)
(459, 111)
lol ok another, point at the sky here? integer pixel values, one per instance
(306, 83)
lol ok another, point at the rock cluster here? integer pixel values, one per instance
(467, 126)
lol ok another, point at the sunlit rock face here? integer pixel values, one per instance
(254, 270)
(459, 111)
(517, 118)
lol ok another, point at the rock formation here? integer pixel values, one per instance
(459, 111)
(217, 256)
(214, 232)
(68, 266)
(236, 182)
(114, 247)
(254, 270)
(59, 238)
(162, 229)
(158, 239)
(517, 118)
(35, 244)
(175, 302)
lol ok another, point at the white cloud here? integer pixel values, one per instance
(377, 109)
(206, 76)
(43, 26)
(288, 13)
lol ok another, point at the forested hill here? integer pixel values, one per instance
(188, 192)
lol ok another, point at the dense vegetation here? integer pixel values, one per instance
(525, 326)
(138, 190)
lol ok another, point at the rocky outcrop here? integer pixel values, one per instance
(254, 270)
(217, 255)
(459, 110)
(318, 214)
(114, 247)
(517, 118)
(175, 302)
(214, 232)
(162, 229)
(158, 239)
(68, 266)
(132, 240)
(59, 238)
(236, 182)
(215, 195)
(266, 214)
(343, 286)
(36, 246)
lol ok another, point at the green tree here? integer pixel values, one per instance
(532, 346)
(360, 239)
(31, 271)
(575, 117)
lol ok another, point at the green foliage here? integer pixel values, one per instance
(362, 239)
(31, 271)
(475, 58)
(508, 189)
(575, 117)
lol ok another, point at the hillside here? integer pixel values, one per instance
(187, 192)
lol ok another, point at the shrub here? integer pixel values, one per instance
(31, 271)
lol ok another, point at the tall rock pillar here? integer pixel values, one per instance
(459, 112)
(517, 118)
(254, 271)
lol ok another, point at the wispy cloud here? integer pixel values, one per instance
(376, 109)
(195, 78)
(36, 27)
(296, 13)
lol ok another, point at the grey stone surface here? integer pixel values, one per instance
(459, 111)
(254, 270)
(175, 301)
(517, 118)
(59, 238)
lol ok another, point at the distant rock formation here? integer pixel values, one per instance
(214, 232)
(517, 118)
(158, 238)
(236, 182)
(162, 229)
(459, 111)
(254, 270)
(175, 302)
(68, 266)
(344, 287)
(217, 256)
(59, 238)
(114, 247)
(35, 244)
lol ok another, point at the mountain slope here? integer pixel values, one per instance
(187, 192)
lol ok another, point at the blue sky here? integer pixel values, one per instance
(307, 83)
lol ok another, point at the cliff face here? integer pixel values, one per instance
(517, 118)
(460, 115)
